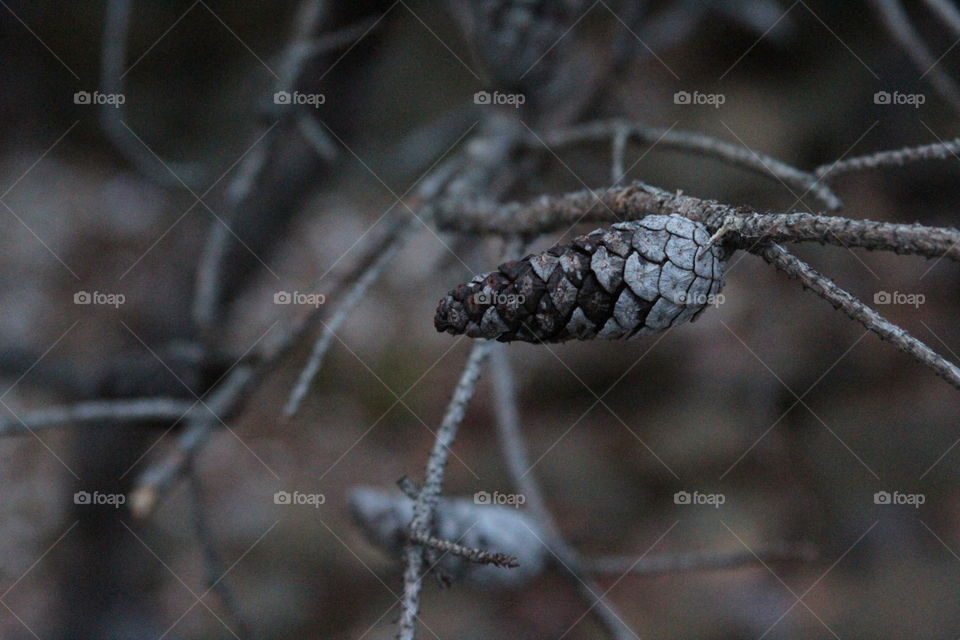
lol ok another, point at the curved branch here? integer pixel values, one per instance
(732, 154)
(897, 22)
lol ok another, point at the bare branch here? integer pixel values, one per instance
(353, 297)
(143, 409)
(897, 22)
(665, 563)
(209, 282)
(932, 242)
(113, 56)
(894, 158)
(478, 556)
(947, 12)
(153, 482)
(857, 310)
(549, 213)
(735, 155)
(213, 564)
(431, 185)
(514, 451)
(638, 200)
(429, 495)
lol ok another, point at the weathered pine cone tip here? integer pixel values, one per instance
(633, 279)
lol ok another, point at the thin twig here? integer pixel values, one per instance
(898, 24)
(352, 299)
(160, 475)
(105, 411)
(892, 158)
(635, 201)
(736, 155)
(478, 556)
(431, 186)
(947, 12)
(113, 56)
(665, 563)
(514, 451)
(209, 280)
(224, 401)
(429, 494)
(857, 310)
(213, 564)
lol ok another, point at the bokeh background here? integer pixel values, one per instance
(711, 407)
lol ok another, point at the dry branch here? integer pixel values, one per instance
(106, 411)
(857, 310)
(429, 496)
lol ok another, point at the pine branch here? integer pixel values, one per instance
(429, 495)
(893, 158)
(690, 141)
(857, 310)
(916, 239)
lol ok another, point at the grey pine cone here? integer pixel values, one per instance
(633, 279)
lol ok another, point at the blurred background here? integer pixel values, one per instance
(109, 204)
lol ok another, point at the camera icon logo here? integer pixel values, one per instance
(282, 297)
(282, 97)
(882, 297)
(681, 497)
(281, 497)
(81, 497)
(482, 297)
(82, 297)
(482, 497)
(482, 97)
(81, 97)
(681, 97)
(882, 497)
(882, 97)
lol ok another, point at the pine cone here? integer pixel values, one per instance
(634, 279)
